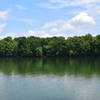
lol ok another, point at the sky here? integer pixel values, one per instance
(47, 18)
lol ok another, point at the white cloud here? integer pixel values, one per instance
(8, 34)
(20, 7)
(37, 33)
(74, 2)
(48, 25)
(4, 14)
(52, 24)
(3, 17)
(80, 24)
(94, 10)
(83, 18)
(2, 26)
(65, 3)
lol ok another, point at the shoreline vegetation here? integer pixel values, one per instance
(77, 46)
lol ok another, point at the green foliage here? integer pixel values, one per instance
(50, 47)
(23, 47)
(8, 47)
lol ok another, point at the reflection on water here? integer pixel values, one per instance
(80, 66)
(50, 79)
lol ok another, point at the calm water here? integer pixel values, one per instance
(50, 79)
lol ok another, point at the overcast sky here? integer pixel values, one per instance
(46, 18)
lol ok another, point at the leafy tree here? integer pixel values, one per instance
(23, 47)
(50, 47)
(8, 47)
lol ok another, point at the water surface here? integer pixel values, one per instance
(50, 79)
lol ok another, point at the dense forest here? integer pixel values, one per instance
(87, 45)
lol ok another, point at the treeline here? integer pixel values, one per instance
(50, 47)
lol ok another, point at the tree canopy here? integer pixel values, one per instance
(87, 45)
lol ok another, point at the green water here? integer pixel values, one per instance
(50, 79)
